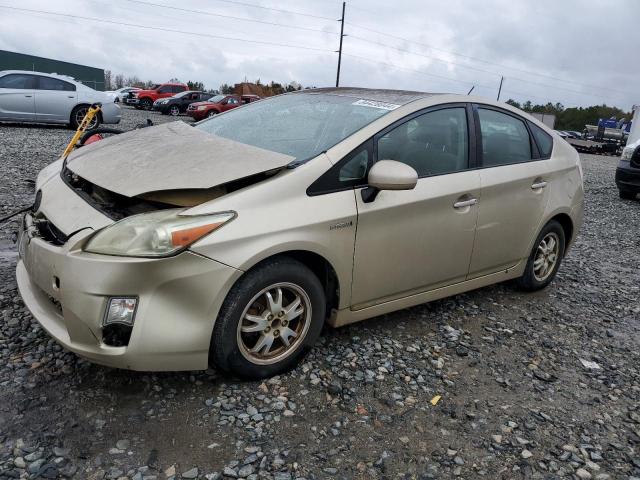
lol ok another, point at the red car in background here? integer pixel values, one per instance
(218, 104)
(144, 98)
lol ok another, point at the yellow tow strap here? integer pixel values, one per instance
(86, 121)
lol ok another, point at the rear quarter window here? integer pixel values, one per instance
(543, 140)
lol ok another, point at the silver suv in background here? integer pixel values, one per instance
(37, 97)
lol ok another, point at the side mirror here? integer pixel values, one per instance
(389, 175)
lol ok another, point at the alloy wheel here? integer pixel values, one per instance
(81, 113)
(274, 323)
(546, 256)
(174, 110)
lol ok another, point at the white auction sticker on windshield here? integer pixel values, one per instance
(374, 104)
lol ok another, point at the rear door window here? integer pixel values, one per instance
(18, 81)
(48, 83)
(543, 140)
(505, 139)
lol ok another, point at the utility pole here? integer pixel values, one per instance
(500, 88)
(344, 4)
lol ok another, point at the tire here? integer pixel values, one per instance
(96, 131)
(536, 277)
(230, 349)
(146, 104)
(211, 113)
(627, 195)
(174, 110)
(78, 113)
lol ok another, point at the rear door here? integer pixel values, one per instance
(514, 175)
(17, 97)
(55, 99)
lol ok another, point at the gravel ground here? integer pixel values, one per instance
(494, 383)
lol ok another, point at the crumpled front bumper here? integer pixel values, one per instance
(67, 291)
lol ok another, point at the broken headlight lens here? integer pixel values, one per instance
(156, 234)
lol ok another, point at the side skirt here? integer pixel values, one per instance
(346, 316)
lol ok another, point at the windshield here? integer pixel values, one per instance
(300, 125)
(217, 98)
(182, 94)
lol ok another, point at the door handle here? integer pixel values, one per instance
(28, 96)
(538, 185)
(465, 203)
(70, 96)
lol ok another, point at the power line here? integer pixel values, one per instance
(281, 10)
(421, 72)
(448, 62)
(203, 12)
(171, 30)
(476, 59)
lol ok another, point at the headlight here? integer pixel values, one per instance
(156, 234)
(202, 107)
(627, 153)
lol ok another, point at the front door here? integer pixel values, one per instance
(17, 97)
(417, 240)
(513, 196)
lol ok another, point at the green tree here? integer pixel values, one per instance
(195, 85)
(226, 89)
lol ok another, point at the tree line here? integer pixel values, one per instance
(574, 118)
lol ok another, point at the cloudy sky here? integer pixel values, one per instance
(577, 52)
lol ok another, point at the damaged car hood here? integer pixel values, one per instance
(172, 156)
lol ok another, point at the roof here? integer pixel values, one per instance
(44, 74)
(399, 97)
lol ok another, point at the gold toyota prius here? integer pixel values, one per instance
(230, 243)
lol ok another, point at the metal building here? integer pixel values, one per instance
(90, 76)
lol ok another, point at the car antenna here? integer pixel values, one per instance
(469, 92)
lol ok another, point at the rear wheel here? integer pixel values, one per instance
(627, 195)
(545, 258)
(78, 114)
(269, 321)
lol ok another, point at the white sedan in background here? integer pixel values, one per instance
(35, 97)
(119, 94)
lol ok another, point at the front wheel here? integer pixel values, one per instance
(174, 110)
(211, 113)
(545, 258)
(146, 104)
(269, 321)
